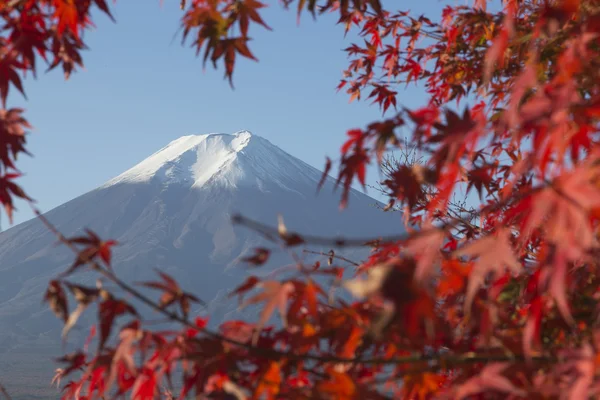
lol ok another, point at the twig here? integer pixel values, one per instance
(272, 233)
(320, 253)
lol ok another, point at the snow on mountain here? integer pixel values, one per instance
(220, 159)
(173, 211)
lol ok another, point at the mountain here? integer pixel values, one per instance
(173, 211)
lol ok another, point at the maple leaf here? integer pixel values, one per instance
(414, 71)
(325, 174)
(66, 51)
(305, 301)
(479, 178)
(454, 278)
(101, 4)
(213, 30)
(351, 341)
(8, 189)
(337, 385)
(424, 119)
(247, 11)
(275, 296)
(8, 74)
(261, 255)
(531, 331)
(385, 135)
(227, 48)
(28, 35)
(425, 249)
(90, 337)
(310, 294)
(269, 382)
(406, 185)
(489, 378)
(299, 381)
(200, 324)
(356, 139)
(568, 202)
(108, 310)
(455, 136)
(583, 361)
(526, 80)
(351, 166)
(239, 331)
(249, 284)
(219, 385)
(145, 386)
(557, 285)
(68, 18)
(494, 254)
(56, 298)
(446, 183)
(495, 53)
(75, 361)
(172, 293)
(122, 360)
(580, 140)
(84, 297)
(422, 386)
(93, 247)
(384, 97)
(12, 134)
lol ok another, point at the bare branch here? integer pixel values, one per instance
(332, 256)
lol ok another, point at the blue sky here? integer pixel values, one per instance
(141, 89)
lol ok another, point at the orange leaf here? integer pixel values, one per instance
(354, 340)
(423, 386)
(66, 14)
(275, 296)
(270, 382)
(339, 386)
(454, 278)
(310, 294)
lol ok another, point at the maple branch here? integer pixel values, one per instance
(320, 253)
(271, 233)
(422, 31)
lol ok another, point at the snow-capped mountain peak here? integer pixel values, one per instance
(215, 158)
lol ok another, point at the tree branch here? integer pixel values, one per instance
(320, 253)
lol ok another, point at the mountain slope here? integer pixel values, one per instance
(172, 211)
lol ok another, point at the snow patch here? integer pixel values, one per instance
(228, 160)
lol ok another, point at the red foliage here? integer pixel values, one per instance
(492, 300)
